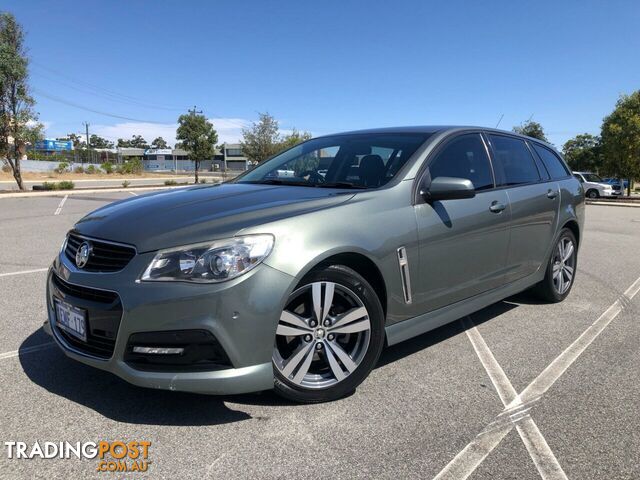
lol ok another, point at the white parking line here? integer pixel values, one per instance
(59, 209)
(25, 350)
(516, 411)
(134, 194)
(560, 365)
(23, 272)
(464, 465)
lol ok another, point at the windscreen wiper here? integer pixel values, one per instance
(277, 181)
(341, 185)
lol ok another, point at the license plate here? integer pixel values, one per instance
(71, 319)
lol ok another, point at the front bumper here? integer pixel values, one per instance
(612, 193)
(242, 314)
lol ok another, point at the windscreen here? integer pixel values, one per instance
(343, 161)
(592, 177)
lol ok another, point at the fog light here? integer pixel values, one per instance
(158, 350)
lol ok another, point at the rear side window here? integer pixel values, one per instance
(514, 164)
(554, 165)
(464, 157)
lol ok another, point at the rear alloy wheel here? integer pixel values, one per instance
(329, 336)
(563, 266)
(561, 269)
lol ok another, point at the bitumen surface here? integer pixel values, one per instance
(433, 407)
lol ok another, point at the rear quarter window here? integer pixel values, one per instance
(514, 164)
(554, 165)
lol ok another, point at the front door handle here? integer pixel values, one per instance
(497, 207)
(552, 194)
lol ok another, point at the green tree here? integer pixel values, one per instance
(18, 120)
(584, 152)
(621, 138)
(263, 139)
(33, 132)
(531, 129)
(159, 143)
(197, 136)
(137, 141)
(99, 142)
(294, 138)
(76, 140)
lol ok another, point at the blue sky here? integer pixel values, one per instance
(329, 66)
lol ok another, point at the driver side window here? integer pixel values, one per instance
(464, 157)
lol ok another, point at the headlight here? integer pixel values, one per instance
(209, 262)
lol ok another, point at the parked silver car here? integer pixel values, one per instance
(297, 281)
(595, 187)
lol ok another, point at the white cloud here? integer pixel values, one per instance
(229, 130)
(32, 123)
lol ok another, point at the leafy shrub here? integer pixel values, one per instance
(78, 169)
(49, 186)
(62, 167)
(66, 185)
(131, 167)
(203, 180)
(107, 167)
(170, 182)
(126, 183)
(91, 169)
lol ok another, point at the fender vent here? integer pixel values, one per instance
(403, 262)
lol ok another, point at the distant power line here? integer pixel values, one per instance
(101, 92)
(104, 91)
(107, 96)
(88, 109)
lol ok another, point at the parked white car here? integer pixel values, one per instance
(595, 187)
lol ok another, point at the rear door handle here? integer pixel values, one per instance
(497, 207)
(552, 194)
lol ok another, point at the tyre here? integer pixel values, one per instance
(593, 193)
(329, 337)
(561, 269)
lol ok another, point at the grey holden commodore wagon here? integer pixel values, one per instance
(296, 274)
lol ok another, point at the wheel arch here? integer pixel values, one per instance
(575, 229)
(360, 263)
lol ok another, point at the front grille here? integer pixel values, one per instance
(92, 294)
(105, 256)
(616, 187)
(103, 313)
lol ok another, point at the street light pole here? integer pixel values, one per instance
(86, 124)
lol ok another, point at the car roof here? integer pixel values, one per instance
(432, 129)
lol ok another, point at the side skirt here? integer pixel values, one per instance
(399, 332)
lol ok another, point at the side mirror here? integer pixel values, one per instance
(448, 188)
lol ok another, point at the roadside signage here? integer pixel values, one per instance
(55, 145)
(158, 151)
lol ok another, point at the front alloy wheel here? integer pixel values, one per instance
(328, 337)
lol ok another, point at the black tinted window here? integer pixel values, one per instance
(464, 157)
(551, 161)
(514, 164)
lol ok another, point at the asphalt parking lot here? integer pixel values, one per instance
(519, 390)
